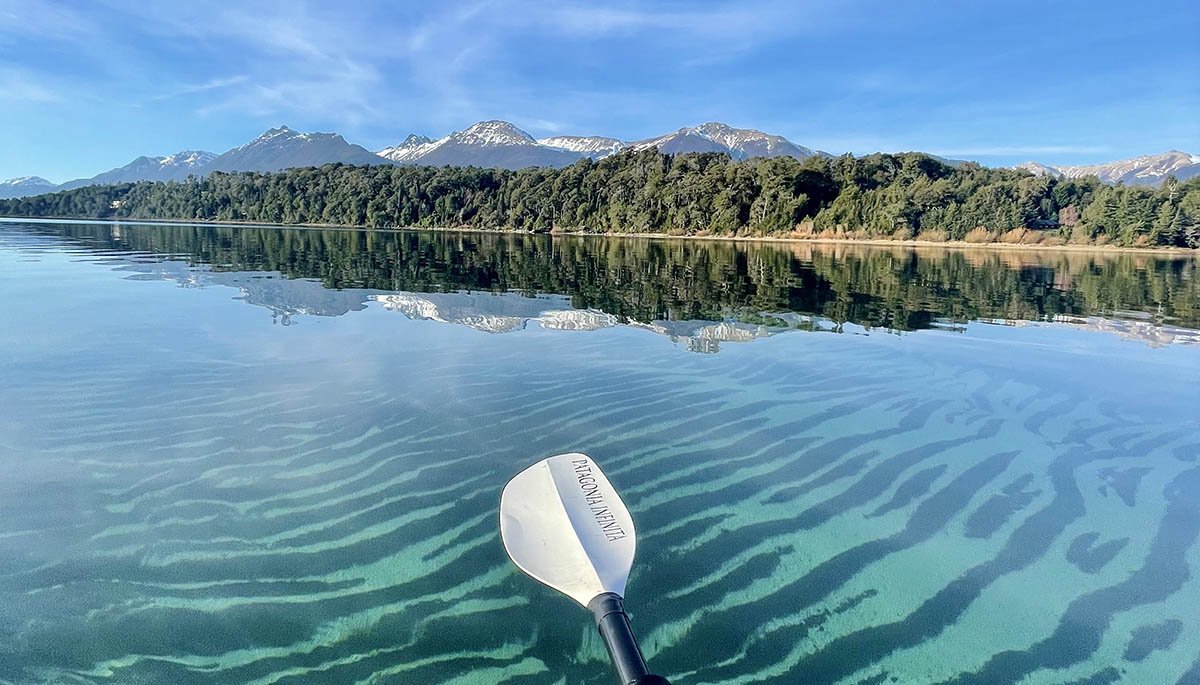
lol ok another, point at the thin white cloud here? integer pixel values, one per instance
(300, 60)
(20, 86)
(40, 18)
(698, 34)
(211, 85)
(727, 19)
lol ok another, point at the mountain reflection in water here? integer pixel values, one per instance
(701, 293)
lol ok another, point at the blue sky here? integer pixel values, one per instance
(87, 86)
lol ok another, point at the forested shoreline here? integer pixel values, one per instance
(890, 197)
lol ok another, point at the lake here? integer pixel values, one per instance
(270, 455)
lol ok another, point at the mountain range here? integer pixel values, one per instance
(496, 144)
(1144, 170)
(174, 167)
(499, 144)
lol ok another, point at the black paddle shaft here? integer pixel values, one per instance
(613, 624)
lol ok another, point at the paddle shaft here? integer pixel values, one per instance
(613, 624)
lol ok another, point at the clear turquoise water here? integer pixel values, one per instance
(191, 492)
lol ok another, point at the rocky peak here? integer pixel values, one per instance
(494, 133)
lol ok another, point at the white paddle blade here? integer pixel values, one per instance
(563, 523)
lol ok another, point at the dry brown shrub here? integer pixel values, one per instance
(1033, 237)
(827, 234)
(979, 234)
(901, 234)
(932, 235)
(1053, 240)
(1014, 236)
(1101, 239)
(1141, 241)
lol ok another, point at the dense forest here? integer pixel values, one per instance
(880, 196)
(645, 280)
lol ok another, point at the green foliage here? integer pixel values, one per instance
(647, 192)
(641, 279)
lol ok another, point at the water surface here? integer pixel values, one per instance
(962, 467)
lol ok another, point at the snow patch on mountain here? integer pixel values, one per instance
(487, 144)
(493, 133)
(283, 148)
(590, 146)
(412, 148)
(1144, 170)
(23, 186)
(187, 159)
(26, 181)
(739, 143)
(1039, 169)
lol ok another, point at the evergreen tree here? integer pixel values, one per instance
(647, 192)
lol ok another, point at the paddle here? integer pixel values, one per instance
(564, 524)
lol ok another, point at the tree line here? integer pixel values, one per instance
(881, 196)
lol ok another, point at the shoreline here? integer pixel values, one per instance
(869, 242)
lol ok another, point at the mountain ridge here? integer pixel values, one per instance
(23, 186)
(492, 143)
(739, 143)
(283, 148)
(175, 167)
(594, 147)
(1142, 170)
(500, 144)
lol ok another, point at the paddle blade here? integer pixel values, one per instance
(563, 523)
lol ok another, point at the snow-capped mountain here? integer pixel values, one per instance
(1039, 169)
(24, 186)
(493, 134)
(176, 167)
(492, 144)
(739, 143)
(588, 146)
(282, 148)
(187, 159)
(277, 149)
(1144, 170)
(412, 148)
(500, 144)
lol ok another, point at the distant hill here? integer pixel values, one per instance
(174, 167)
(1039, 169)
(739, 143)
(1149, 170)
(282, 148)
(277, 149)
(25, 186)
